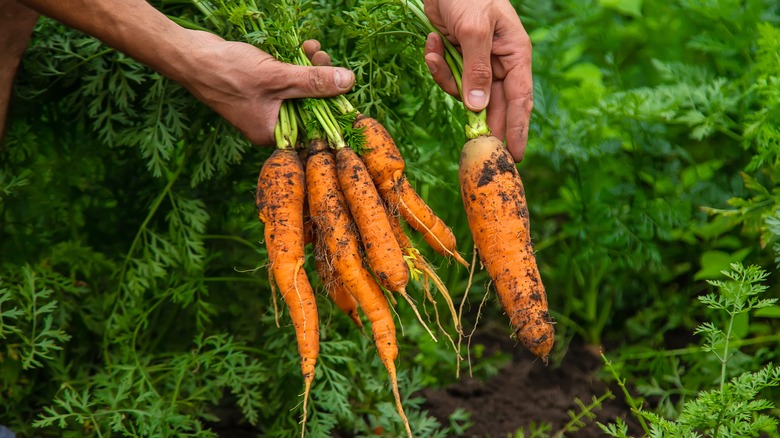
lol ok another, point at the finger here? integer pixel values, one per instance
(440, 71)
(310, 47)
(476, 40)
(294, 81)
(321, 58)
(518, 88)
(496, 110)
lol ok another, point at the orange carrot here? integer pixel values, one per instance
(280, 198)
(334, 285)
(365, 205)
(421, 266)
(386, 166)
(334, 223)
(494, 199)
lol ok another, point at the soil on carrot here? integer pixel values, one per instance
(525, 392)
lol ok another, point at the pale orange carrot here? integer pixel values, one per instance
(280, 198)
(495, 203)
(386, 166)
(335, 224)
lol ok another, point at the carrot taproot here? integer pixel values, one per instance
(333, 284)
(386, 166)
(280, 198)
(365, 205)
(335, 224)
(494, 199)
(421, 266)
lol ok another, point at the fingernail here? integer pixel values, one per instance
(343, 78)
(477, 99)
(431, 67)
(429, 42)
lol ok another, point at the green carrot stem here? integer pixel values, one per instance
(286, 129)
(477, 121)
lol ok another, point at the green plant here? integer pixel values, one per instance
(734, 406)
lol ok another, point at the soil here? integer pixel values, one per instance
(527, 392)
(523, 393)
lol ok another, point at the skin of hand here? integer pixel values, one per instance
(496, 63)
(16, 25)
(243, 84)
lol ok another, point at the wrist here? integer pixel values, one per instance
(190, 57)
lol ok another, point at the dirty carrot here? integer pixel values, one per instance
(365, 205)
(386, 166)
(494, 198)
(280, 198)
(332, 218)
(495, 203)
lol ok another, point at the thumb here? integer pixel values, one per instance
(477, 71)
(304, 81)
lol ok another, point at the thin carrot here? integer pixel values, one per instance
(386, 166)
(384, 255)
(280, 196)
(421, 266)
(334, 285)
(497, 212)
(365, 205)
(331, 216)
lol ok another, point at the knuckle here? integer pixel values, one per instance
(477, 30)
(480, 72)
(315, 80)
(527, 100)
(524, 101)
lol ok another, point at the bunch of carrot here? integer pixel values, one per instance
(336, 182)
(315, 188)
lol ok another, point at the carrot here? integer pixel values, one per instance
(365, 205)
(332, 219)
(386, 166)
(280, 198)
(421, 266)
(497, 212)
(334, 285)
(384, 255)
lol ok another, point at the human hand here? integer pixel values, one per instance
(246, 86)
(496, 63)
(16, 24)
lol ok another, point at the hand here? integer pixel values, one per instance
(243, 84)
(16, 24)
(247, 86)
(497, 63)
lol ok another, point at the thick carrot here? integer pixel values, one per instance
(386, 166)
(334, 223)
(280, 198)
(496, 208)
(365, 205)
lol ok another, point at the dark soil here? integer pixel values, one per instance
(526, 391)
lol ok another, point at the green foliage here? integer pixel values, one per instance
(133, 294)
(27, 325)
(734, 407)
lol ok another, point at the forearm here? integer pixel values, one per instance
(132, 27)
(16, 24)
